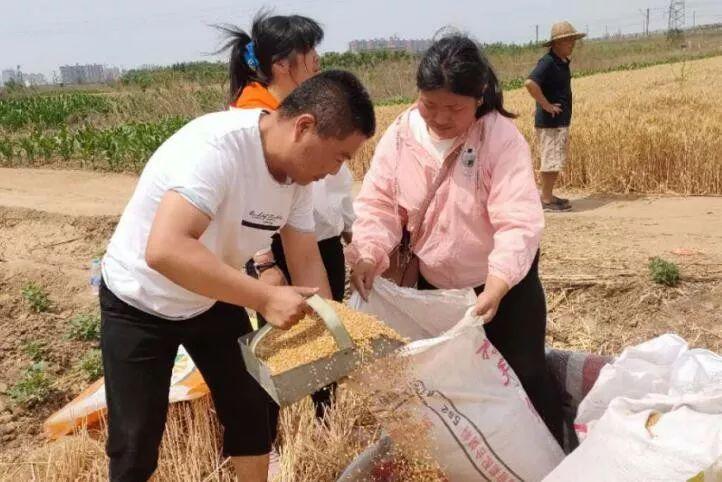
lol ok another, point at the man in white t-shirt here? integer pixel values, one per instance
(209, 198)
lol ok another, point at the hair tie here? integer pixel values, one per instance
(250, 56)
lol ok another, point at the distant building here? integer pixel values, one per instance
(10, 75)
(83, 74)
(111, 74)
(34, 79)
(414, 46)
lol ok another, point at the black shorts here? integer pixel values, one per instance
(138, 355)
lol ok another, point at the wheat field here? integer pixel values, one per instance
(654, 130)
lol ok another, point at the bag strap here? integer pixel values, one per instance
(446, 167)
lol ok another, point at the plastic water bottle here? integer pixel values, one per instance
(95, 275)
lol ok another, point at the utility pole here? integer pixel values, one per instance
(694, 18)
(676, 17)
(537, 33)
(645, 21)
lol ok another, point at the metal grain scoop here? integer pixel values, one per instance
(292, 385)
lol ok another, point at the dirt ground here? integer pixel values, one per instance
(594, 268)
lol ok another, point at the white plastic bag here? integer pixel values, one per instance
(681, 388)
(713, 473)
(624, 446)
(413, 313)
(663, 365)
(481, 424)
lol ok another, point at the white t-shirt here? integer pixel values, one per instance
(217, 163)
(333, 205)
(437, 148)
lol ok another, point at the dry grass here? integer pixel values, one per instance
(190, 451)
(311, 450)
(655, 130)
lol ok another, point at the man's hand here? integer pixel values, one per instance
(362, 277)
(347, 237)
(487, 303)
(553, 109)
(273, 277)
(536, 92)
(286, 306)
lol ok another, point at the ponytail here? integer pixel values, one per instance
(241, 70)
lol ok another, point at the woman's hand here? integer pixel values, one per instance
(487, 303)
(362, 277)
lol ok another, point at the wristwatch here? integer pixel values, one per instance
(260, 268)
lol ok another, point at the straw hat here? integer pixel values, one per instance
(563, 30)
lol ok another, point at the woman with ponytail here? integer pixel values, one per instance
(265, 66)
(452, 181)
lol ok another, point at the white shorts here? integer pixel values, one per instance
(554, 148)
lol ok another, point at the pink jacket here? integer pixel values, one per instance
(485, 218)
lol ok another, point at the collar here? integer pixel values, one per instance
(558, 59)
(254, 96)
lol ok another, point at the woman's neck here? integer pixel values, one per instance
(280, 89)
(434, 136)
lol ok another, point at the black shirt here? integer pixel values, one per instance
(554, 77)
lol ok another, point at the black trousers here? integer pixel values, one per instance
(335, 263)
(138, 355)
(518, 331)
(333, 259)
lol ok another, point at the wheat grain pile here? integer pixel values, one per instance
(309, 340)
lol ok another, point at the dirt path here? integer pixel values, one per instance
(78, 193)
(651, 224)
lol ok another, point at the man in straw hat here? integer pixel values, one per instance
(551, 87)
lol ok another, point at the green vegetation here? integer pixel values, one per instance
(36, 297)
(85, 327)
(45, 112)
(91, 364)
(35, 350)
(198, 72)
(663, 272)
(33, 388)
(123, 148)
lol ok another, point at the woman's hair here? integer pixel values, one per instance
(457, 64)
(273, 38)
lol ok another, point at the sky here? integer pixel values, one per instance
(40, 35)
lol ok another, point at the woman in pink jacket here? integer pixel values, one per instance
(483, 225)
